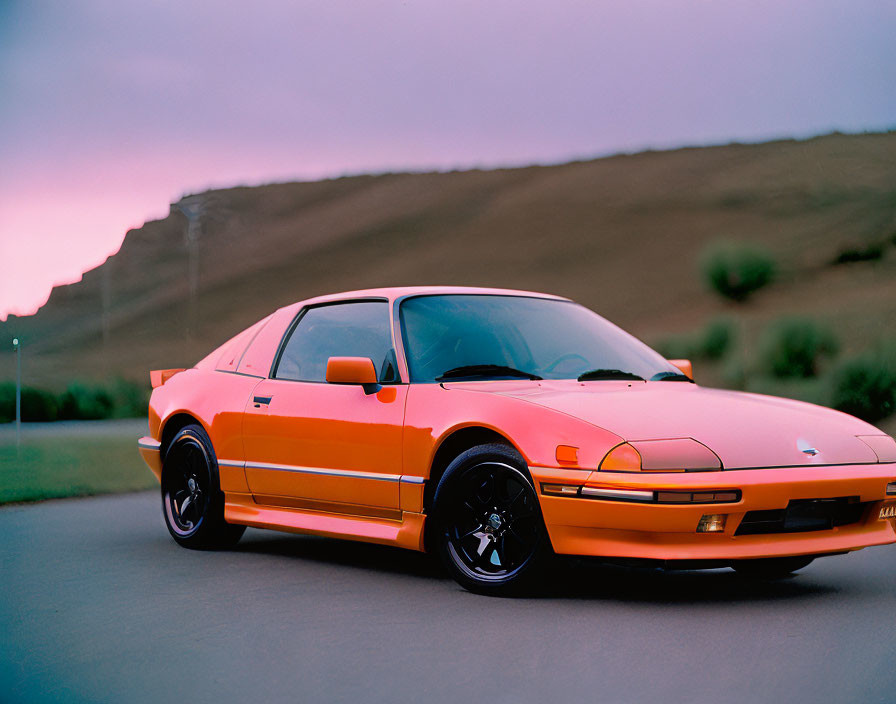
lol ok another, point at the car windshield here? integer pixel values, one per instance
(461, 337)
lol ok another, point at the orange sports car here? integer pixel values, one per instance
(498, 428)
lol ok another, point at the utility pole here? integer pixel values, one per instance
(15, 343)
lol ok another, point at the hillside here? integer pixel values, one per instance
(621, 234)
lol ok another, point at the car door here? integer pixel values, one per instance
(312, 444)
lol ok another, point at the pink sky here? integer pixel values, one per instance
(111, 111)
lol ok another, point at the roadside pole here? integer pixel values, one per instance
(15, 343)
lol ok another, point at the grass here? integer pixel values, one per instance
(63, 465)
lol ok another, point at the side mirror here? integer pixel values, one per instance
(685, 366)
(353, 370)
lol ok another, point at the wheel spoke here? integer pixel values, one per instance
(198, 505)
(489, 485)
(521, 517)
(469, 508)
(477, 531)
(483, 557)
(511, 533)
(484, 543)
(184, 507)
(516, 498)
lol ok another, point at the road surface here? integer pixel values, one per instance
(97, 604)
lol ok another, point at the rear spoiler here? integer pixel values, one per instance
(157, 377)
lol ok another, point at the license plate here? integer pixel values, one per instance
(888, 511)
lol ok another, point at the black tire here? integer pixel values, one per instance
(192, 500)
(488, 525)
(771, 567)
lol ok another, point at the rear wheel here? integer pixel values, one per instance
(192, 501)
(490, 532)
(771, 567)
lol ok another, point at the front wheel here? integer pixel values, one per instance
(771, 567)
(192, 502)
(490, 532)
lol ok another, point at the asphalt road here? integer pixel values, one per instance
(98, 604)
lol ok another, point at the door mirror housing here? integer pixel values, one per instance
(353, 370)
(685, 366)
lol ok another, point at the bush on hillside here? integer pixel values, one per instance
(867, 253)
(793, 347)
(865, 386)
(38, 405)
(7, 402)
(710, 343)
(737, 270)
(119, 399)
(129, 399)
(85, 402)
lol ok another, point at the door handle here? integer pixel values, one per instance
(260, 401)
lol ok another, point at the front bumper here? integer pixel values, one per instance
(631, 529)
(150, 451)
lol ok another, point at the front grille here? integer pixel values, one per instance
(803, 515)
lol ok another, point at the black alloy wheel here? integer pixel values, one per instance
(490, 530)
(192, 502)
(186, 485)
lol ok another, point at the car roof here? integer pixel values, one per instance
(394, 292)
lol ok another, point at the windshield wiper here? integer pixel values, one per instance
(485, 370)
(596, 374)
(671, 376)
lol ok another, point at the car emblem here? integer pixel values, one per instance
(806, 448)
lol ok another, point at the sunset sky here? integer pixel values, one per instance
(111, 110)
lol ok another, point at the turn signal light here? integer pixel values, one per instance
(559, 489)
(712, 523)
(891, 489)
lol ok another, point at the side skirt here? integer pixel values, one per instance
(402, 529)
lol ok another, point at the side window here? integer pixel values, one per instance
(359, 329)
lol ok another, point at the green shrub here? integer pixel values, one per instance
(737, 270)
(7, 402)
(119, 399)
(710, 343)
(717, 338)
(129, 399)
(793, 347)
(865, 386)
(866, 253)
(38, 405)
(678, 347)
(85, 402)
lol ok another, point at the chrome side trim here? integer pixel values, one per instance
(407, 479)
(324, 471)
(149, 444)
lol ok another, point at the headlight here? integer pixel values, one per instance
(883, 445)
(676, 455)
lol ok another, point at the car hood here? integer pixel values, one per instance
(745, 430)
